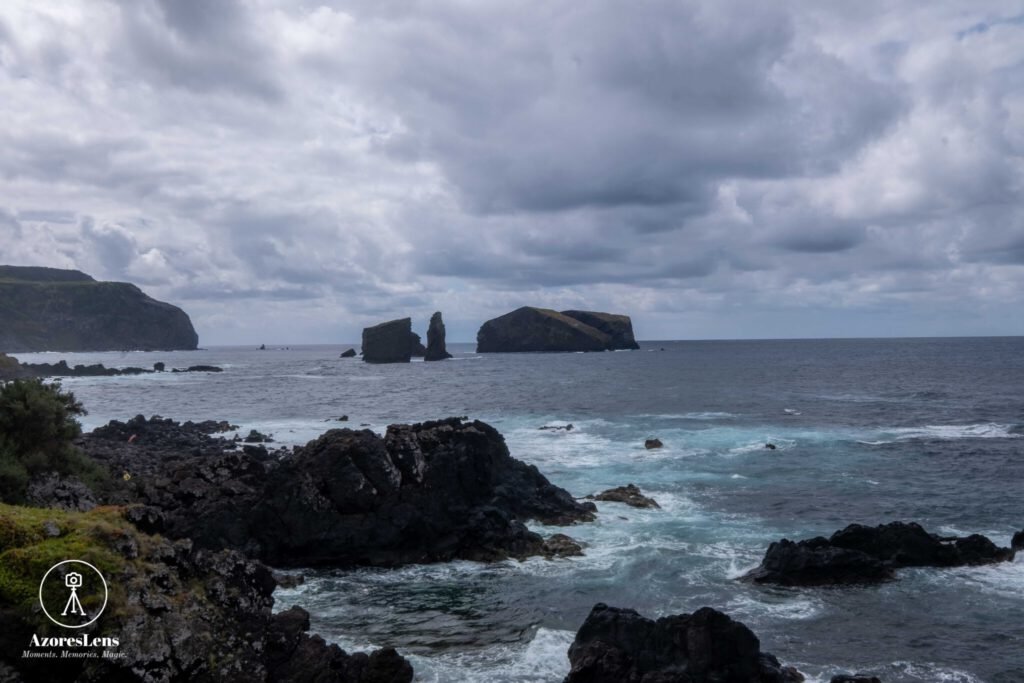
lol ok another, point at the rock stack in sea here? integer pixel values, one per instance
(436, 349)
(530, 329)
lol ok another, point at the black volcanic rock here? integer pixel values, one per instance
(350, 353)
(62, 369)
(630, 494)
(389, 342)
(416, 347)
(46, 309)
(426, 492)
(436, 349)
(618, 327)
(855, 678)
(1018, 541)
(863, 554)
(619, 646)
(542, 329)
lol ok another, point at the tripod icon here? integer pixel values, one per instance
(74, 605)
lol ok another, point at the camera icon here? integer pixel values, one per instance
(73, 580)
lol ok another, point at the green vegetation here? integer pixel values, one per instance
(37, 427)
(34, 539)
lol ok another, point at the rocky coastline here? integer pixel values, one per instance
(195, 516)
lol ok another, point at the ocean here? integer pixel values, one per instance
(866, 430)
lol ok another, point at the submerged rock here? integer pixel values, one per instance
(653, 443)
(628, 494)
(388, 342)
(855, 678)
(557, 428)
(427, 492)
(1018, 541)
(619, 646)
(863, 554)
(436, 349)
(541, 329)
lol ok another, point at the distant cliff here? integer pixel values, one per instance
(542, 329)
(46, 309)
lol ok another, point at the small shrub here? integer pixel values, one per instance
(38, 424)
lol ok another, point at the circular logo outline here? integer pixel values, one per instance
(106, 593)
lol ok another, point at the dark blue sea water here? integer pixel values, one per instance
(930, 430)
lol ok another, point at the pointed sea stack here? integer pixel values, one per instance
(435, 339)
(533, 329)
(388, 342)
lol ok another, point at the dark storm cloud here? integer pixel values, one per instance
(690, 162)
(604, 106)
(197, 45)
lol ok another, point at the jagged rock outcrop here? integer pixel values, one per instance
(540, 329)
(350, 353)
(863, 554)
(389, 342)
(416, 347)
(619, 646)
(630, 494)
(179, 613)
(46, 309)
(436, 349)
(426, 492)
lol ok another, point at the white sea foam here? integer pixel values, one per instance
(542, 659)
(988, 430)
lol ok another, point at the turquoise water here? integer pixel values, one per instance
(868, 431)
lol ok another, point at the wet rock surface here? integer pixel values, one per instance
(864, 554)
(619, 646)
(629, 494)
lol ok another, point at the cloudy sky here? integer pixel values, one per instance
(290, 171)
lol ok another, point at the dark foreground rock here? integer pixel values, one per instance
(178, 613)
(629, 494)
(436, 349)
(862, 554)
(619, 646)
(530, 329)
(388, 342)
(855, 678)
(427, 492)
(46, 309)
